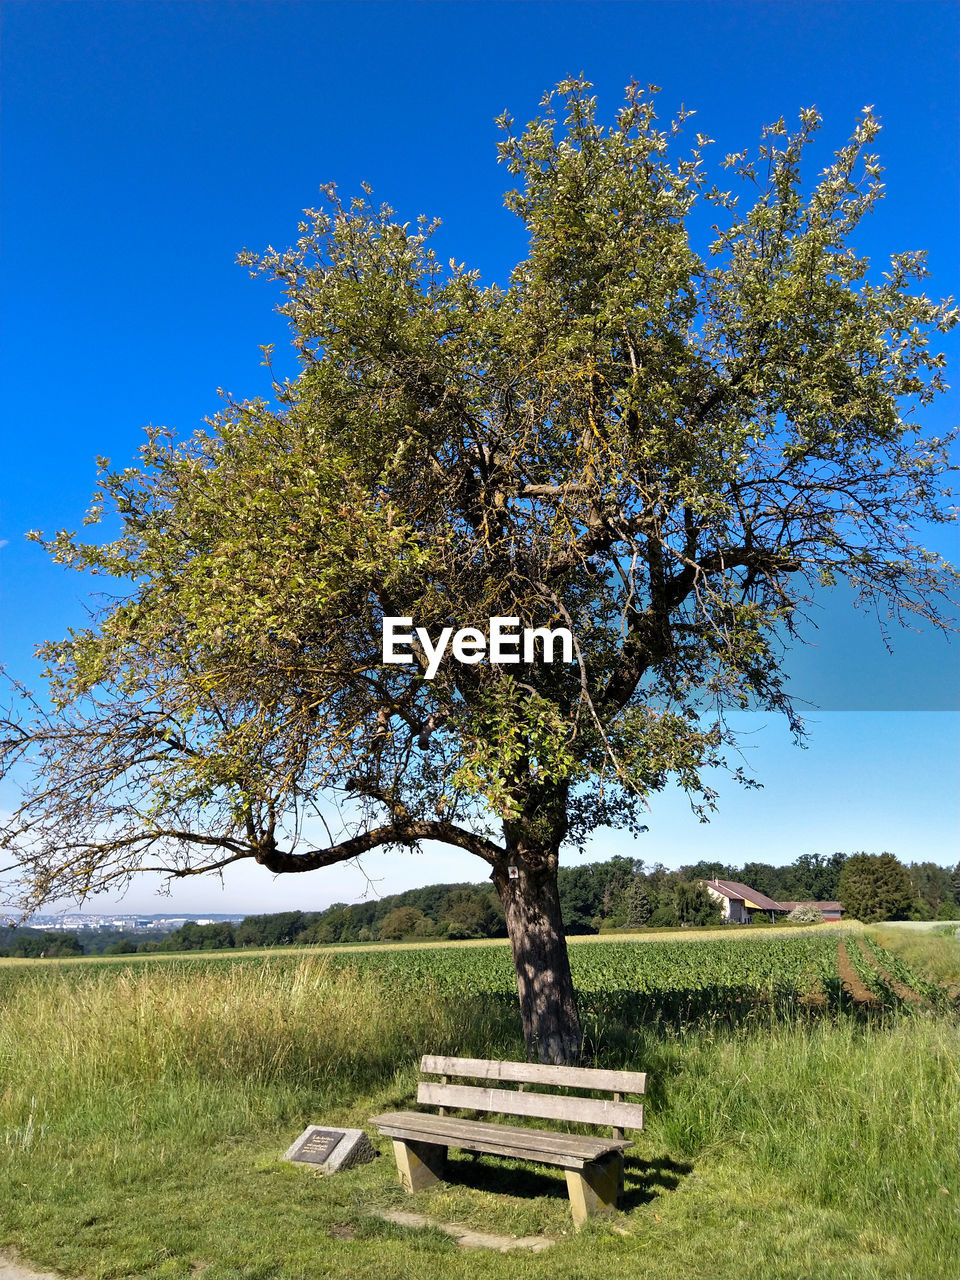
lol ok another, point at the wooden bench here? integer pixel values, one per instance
(593, 1165)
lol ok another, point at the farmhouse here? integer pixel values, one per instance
(739, 901)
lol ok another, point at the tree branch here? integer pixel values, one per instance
(278, 861)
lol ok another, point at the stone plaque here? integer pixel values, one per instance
(331, 1149)
(318, 1145)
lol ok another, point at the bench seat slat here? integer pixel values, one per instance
(569, 1151)
(488, 1146)
(588, 1144)
(535, 1073)
(543, 1106)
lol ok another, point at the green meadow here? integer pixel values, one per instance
(795, 1126)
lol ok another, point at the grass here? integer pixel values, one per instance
(145, 1107)
(934, 952)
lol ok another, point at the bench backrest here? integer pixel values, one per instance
(520, 1101)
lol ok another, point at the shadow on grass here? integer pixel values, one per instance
(717, 1006)
(644, 1180)
(611, 1016)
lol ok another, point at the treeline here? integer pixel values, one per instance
(37, 944)
(596, 897)
(621, 893)
(452, 911)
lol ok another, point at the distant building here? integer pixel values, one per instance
(738, 902)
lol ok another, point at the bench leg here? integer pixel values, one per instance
(595, 1188)
(419, 1164)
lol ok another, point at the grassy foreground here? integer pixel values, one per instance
(145, 1108)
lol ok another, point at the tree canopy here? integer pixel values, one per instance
(666, 446)
(875, 886)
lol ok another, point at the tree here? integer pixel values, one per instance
(246, 935)
(664, 450)
(189, 937)
(694, 904)
(705, 870)
(584, 890)
(818, 876)
(400, 922)
(279, 929)
(46, 945)
(217, 936)
(581, 895)
(614, 904)
(664, 915)
(931, 885)
(875, 886)
(471, 913)
(639, 903)
(765, 878)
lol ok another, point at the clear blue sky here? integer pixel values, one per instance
(145, 143)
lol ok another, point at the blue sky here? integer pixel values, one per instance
(146, 143)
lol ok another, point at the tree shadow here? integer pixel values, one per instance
(645, 1180)
(611, 1017)
(615, 1021)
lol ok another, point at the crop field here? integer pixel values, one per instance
(804, 1087)
(678, 981)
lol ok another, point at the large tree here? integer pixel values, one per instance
(876, 886)
(665, 448)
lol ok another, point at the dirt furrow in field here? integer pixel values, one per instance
(851, 981)
(904, 992)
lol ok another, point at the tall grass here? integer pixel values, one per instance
(934, 952)
(840, 1109)
(151, 1043)
(144, 1107)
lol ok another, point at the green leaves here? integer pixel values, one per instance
(661, 439)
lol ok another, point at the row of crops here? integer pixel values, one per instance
(891, 981)
(676, 980)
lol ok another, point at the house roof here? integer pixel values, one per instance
(821, 906)
(731, 889)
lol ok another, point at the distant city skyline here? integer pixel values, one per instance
(134, 921)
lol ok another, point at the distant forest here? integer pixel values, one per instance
(599, 896)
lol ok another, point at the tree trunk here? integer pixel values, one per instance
(548, 1005)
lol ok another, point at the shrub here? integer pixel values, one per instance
(806, 914)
